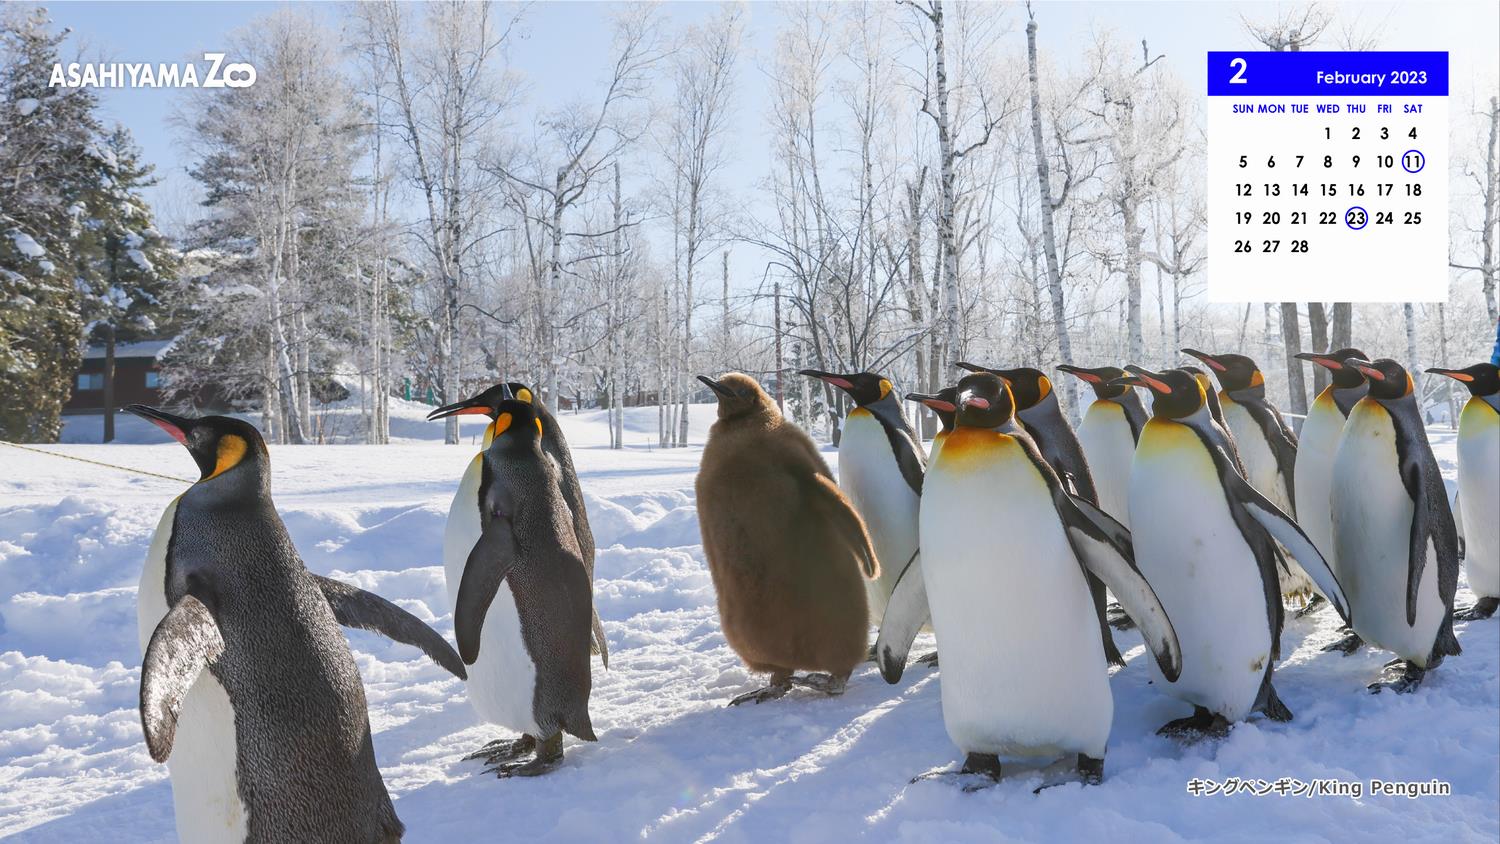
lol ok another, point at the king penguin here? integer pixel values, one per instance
(787, 551)
(1393, 530)
(1206, 540)
(487, 403)
(1313, 477)
(248, 691)
(1479, 483)
(906, 614)
(1037, 410)
(1005, 549)
(880, 469)
(1109, 431)
(521, 597)
(1266, 444)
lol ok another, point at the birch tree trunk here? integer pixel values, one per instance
(1049, 235)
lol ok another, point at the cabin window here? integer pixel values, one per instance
(90, 380)
(152, 380)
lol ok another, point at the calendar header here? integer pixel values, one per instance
(1352, 74)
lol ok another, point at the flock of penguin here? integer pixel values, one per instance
(1200, 519)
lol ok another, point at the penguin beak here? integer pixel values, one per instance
(460, 408)
(1147, 378)
(1367, 368)
(722, 390)
(1213, 362)
(176, 426)
(1455, 374)
(1088, 375)
(971, 400)
(971, 367)
(1326, 361)
(836, 380)
(932, 401)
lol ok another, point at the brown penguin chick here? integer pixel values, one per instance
(785, 547)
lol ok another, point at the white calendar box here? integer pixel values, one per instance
(1327, 177)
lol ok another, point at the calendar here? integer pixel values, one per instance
(1327, 176)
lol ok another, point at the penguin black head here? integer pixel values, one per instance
(738, 394)
(1100, 378)
(944, 403)
(1175, 394)
(1344, 377)
(1482, 379)
(1028, 386)
(486, 403)
(1388, 379)
(865, 388)
(516, 423)
(984, 401)
(1235, 372)
(218, 444)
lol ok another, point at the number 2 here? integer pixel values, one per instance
(1239, 77)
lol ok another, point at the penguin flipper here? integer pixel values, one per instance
(601, 644)
(905, 613)
(354, 607)
(1104, 548)
(1433, 530)
(1280, 526)
(492, 558)
(186, 641)
(837, 511)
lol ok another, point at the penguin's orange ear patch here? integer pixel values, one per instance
(232, 448)
(885, 388)
(1257, 379)
(502, 423)
(1411, 385)
(538, 426)
(524, 395)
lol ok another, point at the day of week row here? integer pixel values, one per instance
(1323, 108)
(1326, 189)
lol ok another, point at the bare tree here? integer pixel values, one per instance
(1487, 184)
(703, 82)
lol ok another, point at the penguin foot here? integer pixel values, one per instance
(1406, 681)
(979, 771)
(1318, 602)
(1482, 609)
(503, 750)
(1200, 725)
(828, 684)
(929, 660)
(1090, 771)
(1347, 645)
(1118, 618)
(777, 689)
(549, 755)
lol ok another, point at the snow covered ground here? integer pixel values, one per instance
(672, 764)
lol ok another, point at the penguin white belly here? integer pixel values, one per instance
(1205, 575)
(871, 477)
(1109, 447)
(1479, 495)
(1263, 474)
(1372, 516)
(1023, 669)
(502, 680)
(205, 782)
(1313, 475)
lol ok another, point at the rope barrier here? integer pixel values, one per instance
(96, 462)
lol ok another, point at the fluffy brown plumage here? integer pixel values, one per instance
(785, 547)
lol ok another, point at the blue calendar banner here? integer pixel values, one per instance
(1316, 74)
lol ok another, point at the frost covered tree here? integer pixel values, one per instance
(51, 159)
(276, 162)
(124, 265)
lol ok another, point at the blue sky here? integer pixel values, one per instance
(562, 55)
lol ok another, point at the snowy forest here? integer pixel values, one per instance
(386, 209)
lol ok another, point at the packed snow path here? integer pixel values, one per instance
(672, 764)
